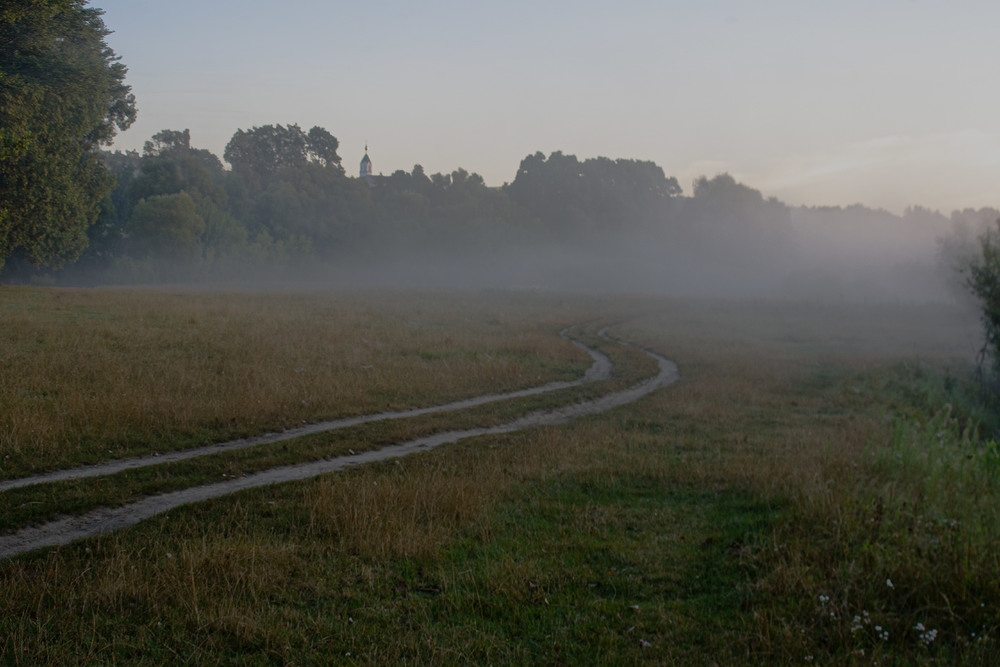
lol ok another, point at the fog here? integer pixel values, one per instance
(179, 216)
(826, 255)
(855, 262)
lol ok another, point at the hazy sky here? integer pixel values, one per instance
(882, 102)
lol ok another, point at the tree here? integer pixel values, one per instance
(106, 237)
(170, 165)
(259, 153)
(62, 94)
(167, 227)
(728, 224)
(166, 141)
(596, 195)
(982, 277)
(322, 147)
(315, 202)
(9, 149)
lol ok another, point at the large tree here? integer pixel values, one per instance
(259, 153)
(596, 195)
(62, 94)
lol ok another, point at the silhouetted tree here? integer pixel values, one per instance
(982, 277)
(321, 147)
(596, 195)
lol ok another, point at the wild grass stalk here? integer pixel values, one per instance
(891, 551)
(783, 502)
(91, 375)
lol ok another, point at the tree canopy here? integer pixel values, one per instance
(596, 195)
(259, 153)
(62, 94)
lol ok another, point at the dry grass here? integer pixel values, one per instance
(697, 524)
(91, 375)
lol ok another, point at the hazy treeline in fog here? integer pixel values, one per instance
(286, 208)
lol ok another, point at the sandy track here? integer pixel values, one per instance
(108, 519)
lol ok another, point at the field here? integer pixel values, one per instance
(818, 487)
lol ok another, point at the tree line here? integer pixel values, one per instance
(286, 200)
(281, 198)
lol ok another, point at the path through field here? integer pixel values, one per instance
(105, 520)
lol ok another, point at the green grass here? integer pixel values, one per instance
(601, 571)
(746, 514)
(572, 569)
(899, 557)
(24, 506)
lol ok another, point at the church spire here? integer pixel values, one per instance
(366, 164)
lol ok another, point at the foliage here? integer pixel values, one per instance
(287, 203)
(596, 195)
(168, 226)
(166, 141)
(259, 153)
(312, 201)
(983, 280)
(895, 553)
(62, 94)
(447, 212)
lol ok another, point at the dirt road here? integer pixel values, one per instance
(108, 519)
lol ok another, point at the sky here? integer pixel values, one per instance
(887, 103)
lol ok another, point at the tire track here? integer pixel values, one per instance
(600, 369)
(106, 520)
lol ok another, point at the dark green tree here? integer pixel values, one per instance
(166, 141)
(259, 153)
(982, 277)
(315, 202)
(107, 235)
(167, 227)
(596, 195)
(170, 166)
(62, 94)
(322, 147)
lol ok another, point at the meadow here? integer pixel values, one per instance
(820, 486)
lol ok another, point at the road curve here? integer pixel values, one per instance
(600, 369)
(106, 520)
